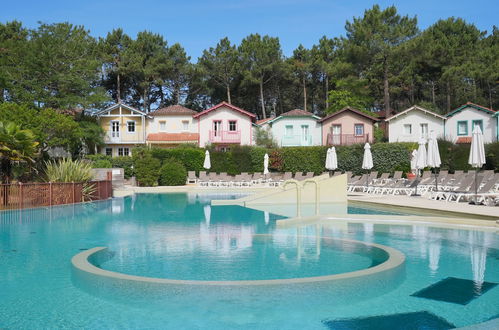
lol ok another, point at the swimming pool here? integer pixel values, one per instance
(449, 275)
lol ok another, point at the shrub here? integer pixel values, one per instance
(256, 155)
(191, 157)
(101, 163)
(124, 162)
(68, 170)
(304, 159)
(492, 156)
(146, 167)
(173, 173)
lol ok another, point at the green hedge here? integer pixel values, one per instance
(387, 157)
(172, 173)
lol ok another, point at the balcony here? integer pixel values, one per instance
(222, 136)
(123, 137)
(346, 139)
(296, 140)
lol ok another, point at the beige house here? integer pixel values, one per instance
(124, 126)
(171, 126)
(347, 126)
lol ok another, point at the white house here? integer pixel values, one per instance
(171, 126)
(460, 123)
(294, 128)
(413, 124)
(225, 125)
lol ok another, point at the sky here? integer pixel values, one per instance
(198, 24)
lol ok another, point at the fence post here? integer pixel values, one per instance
(73, 185)
(50, 193)
(21, 195)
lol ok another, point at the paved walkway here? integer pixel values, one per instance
(473, 211)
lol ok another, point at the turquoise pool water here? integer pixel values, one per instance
(181, 236)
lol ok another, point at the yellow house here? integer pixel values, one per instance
(124, 127)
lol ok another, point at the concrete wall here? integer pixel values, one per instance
(347, 120)
(415, 118)
(225, 114)
(278, 128)
(173, 124)
(469, 114)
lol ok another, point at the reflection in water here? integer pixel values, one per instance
(434, 253)
(478, 255)
(207, 214)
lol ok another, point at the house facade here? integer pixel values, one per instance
(347, 126)
(413, 124)
(225, 125)
(461, 121)
(295, 128)
(172, 126)
(124, 127)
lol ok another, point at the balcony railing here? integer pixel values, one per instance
(296, 140)
(222, 136)
(121, 137)
(346, 139)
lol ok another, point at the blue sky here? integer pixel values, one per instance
(199, 24)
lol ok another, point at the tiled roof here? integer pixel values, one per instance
(228, 105)
(263, 121)
(297, 113)
(173, 137)
(463, 140)
(360, 113)
(172, 110)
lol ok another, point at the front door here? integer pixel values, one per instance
(336, 134)
(217, 127)
(115, 130)
(304, 135)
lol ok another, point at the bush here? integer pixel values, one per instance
(102, 163)
(146, 167)
(492, 154)
(173, 173)
(191, 157)
(124, 162)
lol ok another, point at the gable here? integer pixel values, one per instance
(468, 106)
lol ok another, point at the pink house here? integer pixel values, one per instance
(224, 125)
(347, 126)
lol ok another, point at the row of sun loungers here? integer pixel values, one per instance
(244, 179)
(456, 187)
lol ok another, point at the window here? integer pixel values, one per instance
(130, 126)
(424, 130)
(185, 125)
(462, 127)
(477, 122)
(304, 130)
(109, 151)
(217, 126)
(115, 129)
(162, 125)
(336, 129)
(232, 125)
(289, 130)
(123, 151)
(407, 129)
(358, 129)
(224, 149)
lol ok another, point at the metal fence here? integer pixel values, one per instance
(27, 195)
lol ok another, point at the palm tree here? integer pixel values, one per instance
(16, 145)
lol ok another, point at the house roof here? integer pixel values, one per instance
(173, 110)
(471, 105)
(228, 105)
(294, 113)
(428, 112)
(117, 105)
(263, 121)
(345, 109)
(172, 137)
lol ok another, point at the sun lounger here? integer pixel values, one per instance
(203, 178)
(464, 186)
(191, 177)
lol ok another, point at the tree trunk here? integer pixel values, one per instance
(145, 100)
(261, 99)
(433, 92)
(448, 96)
(327, 90)
(304, 94)
(118, 88)
(228, 94)
(490, 94)
(5, 166)
(386, 89)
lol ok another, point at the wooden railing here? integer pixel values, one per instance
(223, 136)
(27, 195)
(346, 139)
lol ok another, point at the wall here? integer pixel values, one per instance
(415, 118)
(173, 124)
(469, 114)
(224, 114)
(279, 128)
(347, 120)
